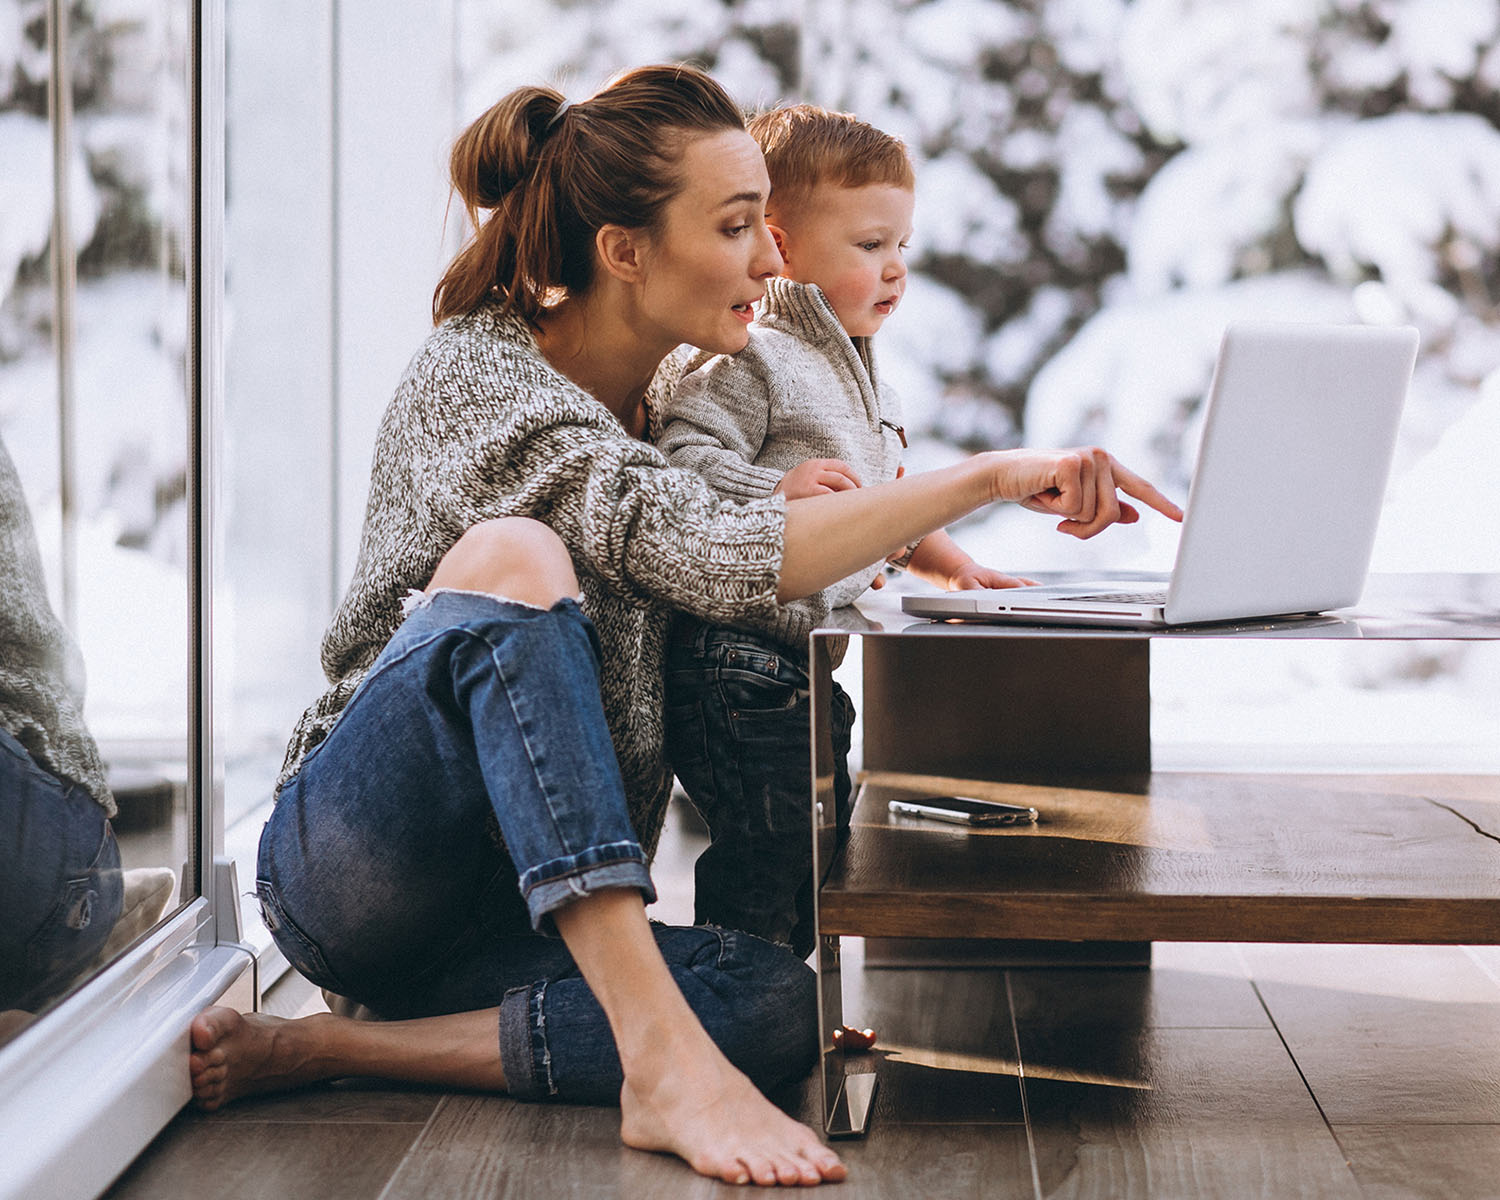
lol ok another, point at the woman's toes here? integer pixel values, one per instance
(826, 1165)
(210, 1027)
(716, 1166)
(788, 1173)
(808, 1173)
(764, 1173)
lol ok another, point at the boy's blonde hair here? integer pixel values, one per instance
(806, 145)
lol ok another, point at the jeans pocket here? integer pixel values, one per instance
(300, 950)
(80, 922)
(754, 682)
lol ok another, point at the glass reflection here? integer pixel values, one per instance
(95, 164)
(61, 891)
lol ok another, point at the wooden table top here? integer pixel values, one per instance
(1178, 856)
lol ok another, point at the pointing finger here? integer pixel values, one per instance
(1134, 485)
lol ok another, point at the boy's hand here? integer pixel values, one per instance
(816, 476)
(972, 575)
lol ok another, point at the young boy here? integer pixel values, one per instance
(799, 411)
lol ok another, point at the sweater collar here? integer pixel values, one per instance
(802, 310)
(799, 308)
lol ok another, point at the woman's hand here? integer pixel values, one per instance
(815, 477)
(1078, 485)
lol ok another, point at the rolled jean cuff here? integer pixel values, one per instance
(518, 1054)
(550, 885)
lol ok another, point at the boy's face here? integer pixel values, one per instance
(850, 241)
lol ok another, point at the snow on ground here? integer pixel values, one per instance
(1439, 516)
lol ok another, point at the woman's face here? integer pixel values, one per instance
(708, 262)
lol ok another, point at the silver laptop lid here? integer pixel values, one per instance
(1291, 473)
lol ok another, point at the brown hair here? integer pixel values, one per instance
(805, 145)
(553, 174)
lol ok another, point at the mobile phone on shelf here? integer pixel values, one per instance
(965, 810)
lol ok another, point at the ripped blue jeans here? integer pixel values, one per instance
(468, 790)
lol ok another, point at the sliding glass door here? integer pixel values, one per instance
(109, 321)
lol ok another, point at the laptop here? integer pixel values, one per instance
(1285, 497)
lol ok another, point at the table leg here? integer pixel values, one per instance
(847, 1094)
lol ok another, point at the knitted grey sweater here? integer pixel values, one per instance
(482, 426)
(801, 389)
(41, 672)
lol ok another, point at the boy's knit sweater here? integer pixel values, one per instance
(801, 389)
(482, 426)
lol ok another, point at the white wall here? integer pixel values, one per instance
(339, 121)
(396, 81)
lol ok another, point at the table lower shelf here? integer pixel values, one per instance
(1177, 856)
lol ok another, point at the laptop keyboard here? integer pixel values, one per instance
(1154, 597)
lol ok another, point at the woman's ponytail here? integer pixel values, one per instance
(494, 166)
(539, 177)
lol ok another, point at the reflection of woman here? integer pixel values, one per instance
(461, 792)
(60, 881)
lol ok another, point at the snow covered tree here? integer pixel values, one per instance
(126, 188)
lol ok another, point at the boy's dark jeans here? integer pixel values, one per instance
(738, 738)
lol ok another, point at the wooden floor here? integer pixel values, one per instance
(1234, 1071)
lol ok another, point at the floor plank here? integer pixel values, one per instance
(501, 1149)
(955, 1162)
(1189, 985)
(1441, 1162)
(346, 1101)
(1119, 1113)
(1388, 1035)
(946, 1049)
(257, 1160)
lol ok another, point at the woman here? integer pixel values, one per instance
(486, 769)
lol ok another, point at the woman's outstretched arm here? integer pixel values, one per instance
(833, 535)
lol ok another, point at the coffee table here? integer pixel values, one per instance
(1125, 853)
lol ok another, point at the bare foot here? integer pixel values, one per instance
(700, 1108)
(238, 1054)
